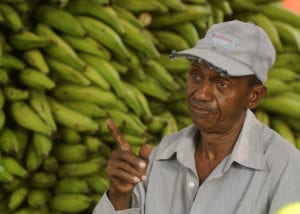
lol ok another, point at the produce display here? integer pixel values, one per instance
(68, 65)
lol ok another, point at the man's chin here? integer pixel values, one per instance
(204, 125)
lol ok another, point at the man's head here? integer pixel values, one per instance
(238, 48)
(227, 71)
(218, 103)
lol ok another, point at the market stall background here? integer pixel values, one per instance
(67, 65)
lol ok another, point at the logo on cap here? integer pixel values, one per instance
(223, 40)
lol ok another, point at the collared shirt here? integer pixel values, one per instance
(260, 175)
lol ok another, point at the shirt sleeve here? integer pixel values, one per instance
(288, 188)
(104, 206)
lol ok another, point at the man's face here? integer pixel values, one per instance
(215, 102)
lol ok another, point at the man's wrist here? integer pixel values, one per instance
(120, 201)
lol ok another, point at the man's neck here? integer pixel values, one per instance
(215, 146)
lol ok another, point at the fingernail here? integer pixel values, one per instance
(136, 179)
(144, 177)
(142, 165)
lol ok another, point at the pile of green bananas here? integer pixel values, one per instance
(68, 65)
(280, 109)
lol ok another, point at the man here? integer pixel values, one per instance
(226, 162)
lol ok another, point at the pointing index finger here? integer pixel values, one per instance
(117, 135)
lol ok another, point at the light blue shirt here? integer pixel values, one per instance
(261, 174)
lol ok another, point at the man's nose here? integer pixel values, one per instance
(204, 92)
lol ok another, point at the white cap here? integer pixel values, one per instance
(239, 48)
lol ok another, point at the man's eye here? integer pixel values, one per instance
(222, 84)
(196, 77)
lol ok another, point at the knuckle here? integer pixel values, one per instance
(126, 167)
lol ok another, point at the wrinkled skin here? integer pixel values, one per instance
(216, 103)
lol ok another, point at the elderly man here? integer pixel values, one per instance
(226, 162)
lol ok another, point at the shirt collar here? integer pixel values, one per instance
(181, 147)
(248, 150)
(181, 143)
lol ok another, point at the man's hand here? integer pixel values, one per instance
(125, 169)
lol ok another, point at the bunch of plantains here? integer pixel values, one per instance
(280, 109)
(68, 65)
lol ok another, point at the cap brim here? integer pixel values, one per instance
(230, 65)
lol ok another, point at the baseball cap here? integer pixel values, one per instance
(238, 48)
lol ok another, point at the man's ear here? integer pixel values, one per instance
(255, 96)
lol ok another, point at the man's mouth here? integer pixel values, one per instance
(202, 110)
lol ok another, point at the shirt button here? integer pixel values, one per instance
(191, 184)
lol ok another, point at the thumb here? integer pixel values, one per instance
(145, 152)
